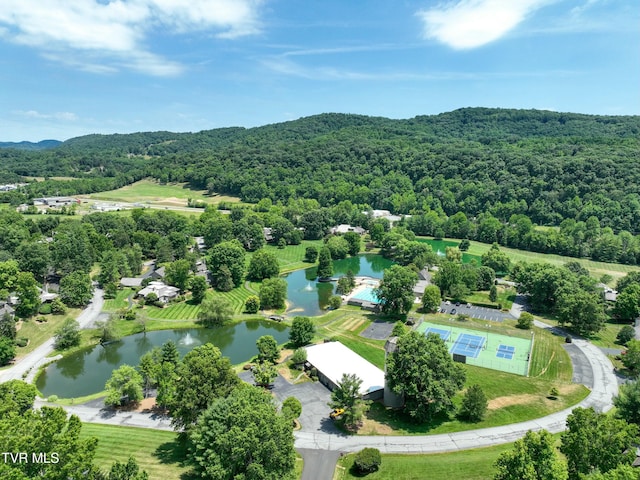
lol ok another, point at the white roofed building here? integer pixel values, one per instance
(333, 359)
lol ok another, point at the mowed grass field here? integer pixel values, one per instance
(150, 191)
(291, 257)
(158, 452)
(597, 269)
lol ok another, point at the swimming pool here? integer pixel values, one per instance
(367, 294)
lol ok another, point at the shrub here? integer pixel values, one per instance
(335, 302)
(291, 408)
(45, 309)
(398, 329)
(299, 356)
(58, 307)
(22, 342)
(52, 398)
(525, 321)
(367, 460)
(625, 334)
(474, 404)
(252, 304)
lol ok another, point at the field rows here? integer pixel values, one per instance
(156, 451)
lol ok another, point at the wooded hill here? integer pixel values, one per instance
(549, 166)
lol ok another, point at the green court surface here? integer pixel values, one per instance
(483, 348)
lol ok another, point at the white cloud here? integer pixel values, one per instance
(62, 116)
(116, 30)
(472, 23)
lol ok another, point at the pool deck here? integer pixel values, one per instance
(362, 284)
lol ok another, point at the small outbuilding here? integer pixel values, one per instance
(333, 359)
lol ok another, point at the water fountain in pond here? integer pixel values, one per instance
(439, 253)
(308, 288)
(187, 340)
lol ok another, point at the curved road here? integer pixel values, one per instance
(28, 365)
(328, 445)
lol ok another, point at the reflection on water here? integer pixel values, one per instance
(307, 296)
(86, 372)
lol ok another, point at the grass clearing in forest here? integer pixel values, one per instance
(150, 191)
(597, 269)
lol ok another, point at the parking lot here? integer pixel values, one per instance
(476, 312)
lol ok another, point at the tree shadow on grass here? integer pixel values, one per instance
(175, 453)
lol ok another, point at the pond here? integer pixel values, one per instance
(440, 246)
(309, 297)
(86, 372)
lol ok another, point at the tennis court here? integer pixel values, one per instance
(484, 348)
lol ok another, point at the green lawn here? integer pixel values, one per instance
(597, 269)
(151, 191)
(291, 257)
(158, 452)
(120, 302)
(474, 464)
(40, 332)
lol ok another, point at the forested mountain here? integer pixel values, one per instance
(41, 145)
(546, 165)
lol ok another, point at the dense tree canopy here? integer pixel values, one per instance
(422, 370)
(242, 436)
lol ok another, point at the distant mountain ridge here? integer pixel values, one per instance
(41, 145)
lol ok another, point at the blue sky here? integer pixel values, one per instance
(73, 67)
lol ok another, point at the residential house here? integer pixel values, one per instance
(164, 292)
(344, 228)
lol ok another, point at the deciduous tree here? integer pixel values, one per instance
(273, 293)
(347, 395)
(215, 311)
(302, 331)
(205, 375)
(532, 458)
(268, 350)
(242, 436)
(431, 298)
(124, 386)
(627, 402)
(396, 289)
(422, 370)
(596, 441)
(263, 264)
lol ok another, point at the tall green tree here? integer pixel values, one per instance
(231, 255)
(631, 357)
(268, 350)
(431, 298)
(583, 310)
(124, 386)
(396, 289)
(596, 441)
(627, 402)
(302, 331)
(347, 395)
(273, 293)
(263, 264)
(47, 430)
(7, 350)
(627, 306)
(26, 288)
(422, 370)
(178, 274)
(215, 311)
(241, 436)
(325, 263)
(496, 259)
(533, 457)
(198, 287)
(67, 335)
(76, 289)
(204, 376)
(355, 242)
(474, 404)
(16, 396)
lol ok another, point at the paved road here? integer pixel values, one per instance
(319, 435)
(29, 364)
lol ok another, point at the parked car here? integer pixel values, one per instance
(336, 413)
(457, 304)
(453, 311)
